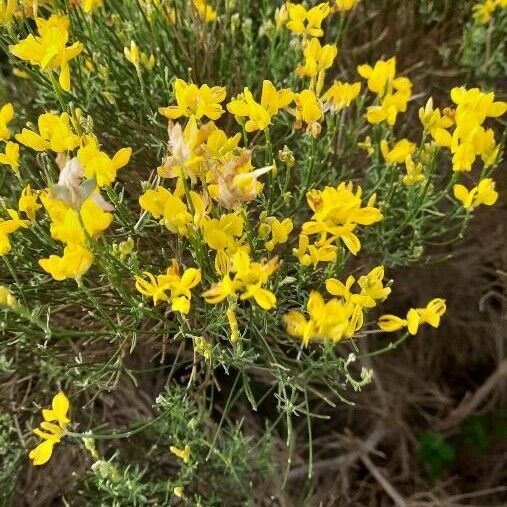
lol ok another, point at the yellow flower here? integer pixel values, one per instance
(249, 278)
(220, 291)
(399, 152)
(278, 230)
(183, 454)
(7, 9)
(6, 298)
(436, 124)
(94, 218)
(195, 101)
(391, 323)
(372, 291)
(380, 77)
(55, 133)
(323, 250)
(49, 49)
(98, 164)
(67, 223)
(74, 263)
(6, 115)
(225, 236)
(391, 105)
(260, 115)
(203, 347)
(372, 288)
(483, 193)
(483, 11)
(11, 156)
(469, 138)
(28, 202)
(178, 491)
(431, 315)
(317, 58)
(414, 172)
(233, 324)
(337, 212)
(180, 285)
(309, 111)
(170, 208)
(224, 233)
(340, 95)
(151, 287)
(132, 54)
(303, 22)
(90, 5)
(51, 429)
(345, 5)
(332, 320)
(205, 10)
(393, 92)
(8, 227)
(171, 281)
(475, 106)
(463, 156)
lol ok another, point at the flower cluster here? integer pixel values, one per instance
(431, 315)
(49, 50)
(336, 214)
(178, 285)
(77, 211)
(343, 315)
(393, 93)
(483, 11)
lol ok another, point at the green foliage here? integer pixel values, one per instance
(11, 457)
(436, 453)
(225, 465)
(484, 47)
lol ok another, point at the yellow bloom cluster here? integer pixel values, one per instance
(77, 211)
(307, 22)
(178, 285)
(342, 316)
(470, 139)
(483, 193)
(393, 93)
(52, 429)
(216, 184)
(336, 214)
(248, 279)
(431, 315)
(483, 11)
(49, 49)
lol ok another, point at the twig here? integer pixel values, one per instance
(468, 407)
(388, 487)
(347, 459)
